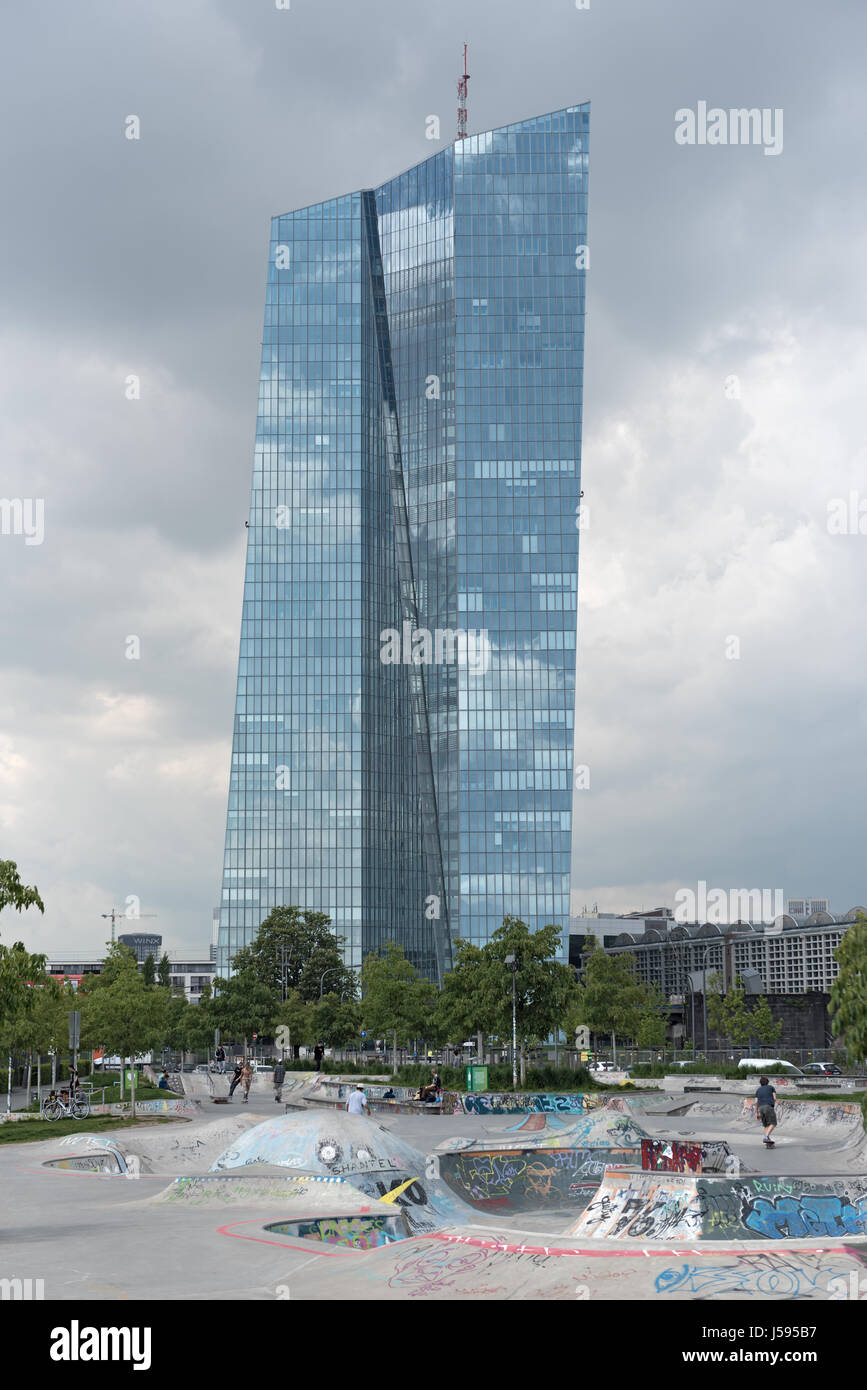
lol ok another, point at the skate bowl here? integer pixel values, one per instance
(631, 1205)
(181, 1148)
(454, 1264)
(530, 1179)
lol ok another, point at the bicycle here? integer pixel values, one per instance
(76, 1106)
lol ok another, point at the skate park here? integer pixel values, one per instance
(659, 1195)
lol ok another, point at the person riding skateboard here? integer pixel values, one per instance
(766, 1099)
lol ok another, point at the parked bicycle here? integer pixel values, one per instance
(74, 1105)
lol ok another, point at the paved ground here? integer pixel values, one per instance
(308, 1204)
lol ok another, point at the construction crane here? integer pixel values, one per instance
(113, 915)
(462, 99)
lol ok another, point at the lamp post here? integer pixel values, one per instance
(511, 960)
(332, 970)
(707, 948)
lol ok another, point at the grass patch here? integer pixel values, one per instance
(834, 1098)
(29, 1131)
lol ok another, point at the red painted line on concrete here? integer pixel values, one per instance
(504, 1247)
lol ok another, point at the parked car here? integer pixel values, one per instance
(822, 1069)
(771, 1066)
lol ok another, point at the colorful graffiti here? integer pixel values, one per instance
(803, 1274)
(671, 1156)
(529, 1178)
(683, 1206)
(512, 1103)
(357, 1232)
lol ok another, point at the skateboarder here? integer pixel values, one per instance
(279, 1078)
(766, 1099)
(236, 1077)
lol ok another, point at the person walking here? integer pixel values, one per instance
(318, 1054)
(236, 1077)
(279, 1078)
(247, 1080)
(220, 1059)
(766, 1101)
(357, 1103)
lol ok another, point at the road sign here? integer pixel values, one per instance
(74, 1029)
(582, 1036)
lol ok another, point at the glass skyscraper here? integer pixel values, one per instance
(402, 751)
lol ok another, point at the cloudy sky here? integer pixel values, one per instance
(724, 411)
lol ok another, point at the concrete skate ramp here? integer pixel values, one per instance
(529, 1179)
(308, 1195)
(458, 1265)
(369, 1156)
(176, 1148)
(631, 1205)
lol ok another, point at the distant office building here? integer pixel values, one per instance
(190, 970)
(144, 944)
(780, 958)
(402, 749)
(190, 973)
(802, 908)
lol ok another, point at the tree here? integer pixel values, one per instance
(848, 1006)
(336, 1022)
(732, 1018)
(295, 948)
(241, 1006)
(463, 1005)
(295, 1016)
(18, 970)
(119, 1012)
(545, 989)
(610, 996)
(164, 971)
(653, 1019)
(14, 893)
(149, 971)
(762, 1022)
(396, 999)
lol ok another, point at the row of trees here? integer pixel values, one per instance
(278, 990)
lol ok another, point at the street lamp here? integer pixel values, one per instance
(332, 970)
(512, 960)
(710, 947)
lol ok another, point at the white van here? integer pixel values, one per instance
(769, 1065)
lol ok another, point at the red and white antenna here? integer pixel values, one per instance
(462, 100)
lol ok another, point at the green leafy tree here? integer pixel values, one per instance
(14, 893)
(396, 1000)
(848, 1006)
(545, 989)
(294, 1023)
(164, 971)
(653, 1019)
(241, 1006)
(336, 1022)
(611, 997)
(295, 949)
(119, 1012)
(763, 1025)
(18, 971)
(464, 1006)
(149, 971)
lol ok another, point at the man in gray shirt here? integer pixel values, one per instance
(357, 1103)
(766, 1099)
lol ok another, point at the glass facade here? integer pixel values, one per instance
(402, 752)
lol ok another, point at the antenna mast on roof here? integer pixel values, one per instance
(462, 100)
